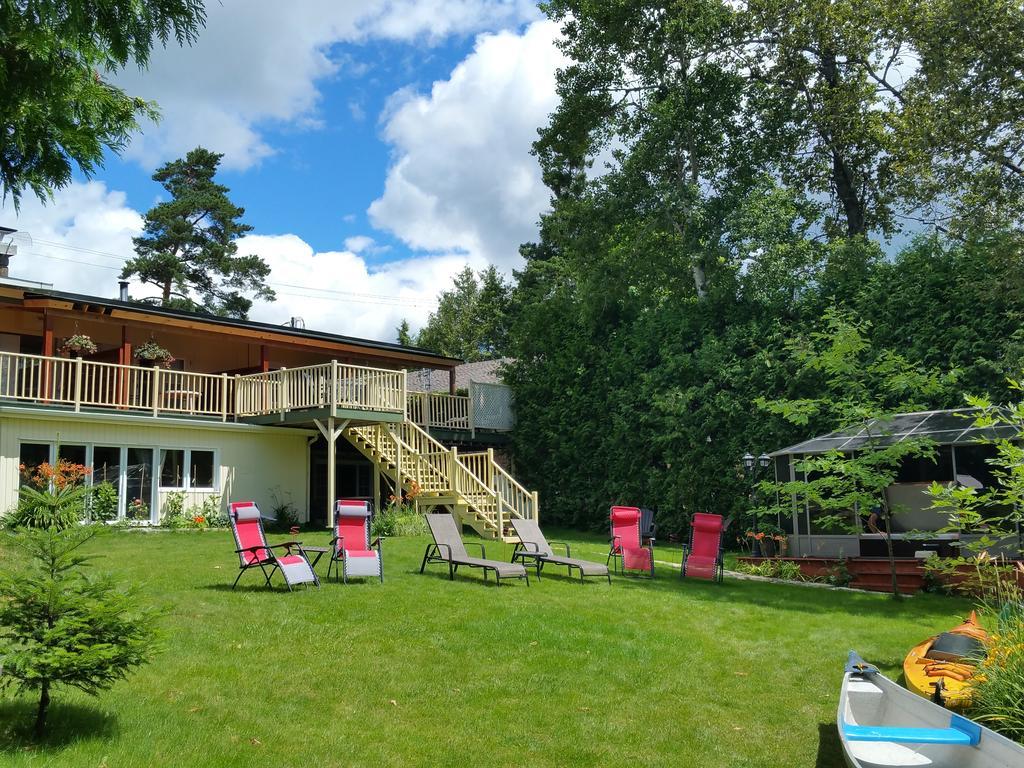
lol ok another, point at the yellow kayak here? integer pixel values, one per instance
(942, 666)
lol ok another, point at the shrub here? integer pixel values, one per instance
(398, 520)
(998, 688)
(173, 513)
(61, 627)
(103, 502)
(839, 574)
(58, 507)
(212, 513)
(774, 569)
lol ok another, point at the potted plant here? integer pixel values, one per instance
(152, 353)
(78, 344)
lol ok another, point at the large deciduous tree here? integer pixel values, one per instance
(58, 107)
(471, 320)
(721, 174)
(188, 246)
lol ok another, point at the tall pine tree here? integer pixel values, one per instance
(188, 248)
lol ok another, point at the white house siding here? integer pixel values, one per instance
(256, 463)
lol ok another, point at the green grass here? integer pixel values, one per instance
(420, 671)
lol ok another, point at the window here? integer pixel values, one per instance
(30, 457)
(172, 468)
(73, 453)
(139, 483)
(189, 469)
(201, 473)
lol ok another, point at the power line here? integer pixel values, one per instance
(351, 296)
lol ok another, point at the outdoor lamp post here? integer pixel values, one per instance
(751, 465)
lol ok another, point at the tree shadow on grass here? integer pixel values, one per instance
(66, 724)
(830, 749)
(787, 597)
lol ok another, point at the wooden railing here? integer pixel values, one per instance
(435, 410)
(514, 499)
(476, 478)
(86, 384)
(83, 383)
(331, 385)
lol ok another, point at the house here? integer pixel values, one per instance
(962, 456)
(278, 414)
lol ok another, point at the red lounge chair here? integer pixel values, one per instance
(627, 548)
(254, 552)
(703, 558)
(352, 552)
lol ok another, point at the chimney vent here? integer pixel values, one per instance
(124, 290)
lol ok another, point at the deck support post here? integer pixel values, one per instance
(331, 435)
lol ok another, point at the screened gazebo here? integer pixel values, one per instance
(962, 454)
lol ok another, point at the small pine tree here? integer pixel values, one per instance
(62, 626)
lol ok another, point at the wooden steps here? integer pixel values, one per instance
(476, 489)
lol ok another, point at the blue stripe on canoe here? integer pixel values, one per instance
(962, 731)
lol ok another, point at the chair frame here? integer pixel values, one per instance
(339, 562)
(719, 558)
(271, 561)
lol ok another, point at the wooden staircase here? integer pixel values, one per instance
(479, 492)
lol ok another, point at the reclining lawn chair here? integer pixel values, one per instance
(352, 552)
(703, 558)
(648, 528)
(448, 547)
(533, 546)
(627, 547)
(254, 552)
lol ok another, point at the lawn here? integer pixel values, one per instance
(420, 671)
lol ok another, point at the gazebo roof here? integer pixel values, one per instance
(952, 427)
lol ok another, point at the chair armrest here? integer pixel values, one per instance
(250, 549)
(483, 552)
(438, 548)
(375, 544)
(568, 553)
(526, 545)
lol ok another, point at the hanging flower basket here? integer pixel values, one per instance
(154, 354)
(79, 344)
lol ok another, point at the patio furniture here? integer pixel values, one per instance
(703, 558)
(449, 548)
(648, 528)
(533, 546)
(254, 552)
(628, 550)
(352, 552)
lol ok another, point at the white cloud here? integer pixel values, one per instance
(254, 65)
(462, 177)
(333, 291)
(358, 243)
(337, 291)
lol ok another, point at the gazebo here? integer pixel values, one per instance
(962, 454)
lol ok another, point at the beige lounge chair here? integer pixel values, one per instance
(449, 548)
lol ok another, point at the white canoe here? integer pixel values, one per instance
(883, 724)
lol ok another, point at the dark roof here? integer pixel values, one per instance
(952, 427)
(230, 322)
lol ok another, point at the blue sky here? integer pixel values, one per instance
(378, 147)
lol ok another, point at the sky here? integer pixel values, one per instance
(377, 146)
